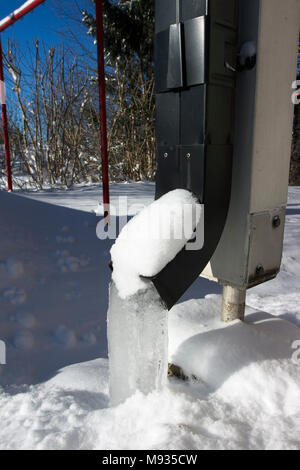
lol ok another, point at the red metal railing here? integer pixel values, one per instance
(27, 7)
(5, 123)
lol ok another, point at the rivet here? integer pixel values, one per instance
(166, 155)
(188, 155)
(276, 221)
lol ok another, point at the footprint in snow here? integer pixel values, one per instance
(24, 319)
(64, 337)
(11, 268)
(15, 296)
(68, 263)
(69, 239)
(23, 340)
(89, 338)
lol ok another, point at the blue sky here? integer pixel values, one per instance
(44, 23)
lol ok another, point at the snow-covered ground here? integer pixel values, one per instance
(244, 386)
(88, 197)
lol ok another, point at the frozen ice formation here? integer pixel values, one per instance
(137, 332)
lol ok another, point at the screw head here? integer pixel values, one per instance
(188, 155)
(166, 155)
(260, 270)
(276, 221)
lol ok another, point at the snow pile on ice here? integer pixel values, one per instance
(152, 239)
(137, 320)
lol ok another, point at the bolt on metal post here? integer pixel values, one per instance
(233, 305)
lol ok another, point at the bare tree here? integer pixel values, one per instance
(55, 105)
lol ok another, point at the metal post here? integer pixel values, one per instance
(5, 122)
(102, 105)
(233, 305)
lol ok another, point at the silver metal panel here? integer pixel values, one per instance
(265, 247)
(229, 263)
(274, 110)
(262, 145)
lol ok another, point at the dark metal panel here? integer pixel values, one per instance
(192, 166)
(195, 41)
(194, 126)
(192, 9)
(180, 273)
(192, 115)
(223, 12)
(165, 14)
(169, 59)
(167, 119)
(175, 65)
(161, 55)
(220, 114)
(181, 167)
(168, 174)
(223, 42)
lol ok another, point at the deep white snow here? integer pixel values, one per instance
(244, 378)
(127, 198)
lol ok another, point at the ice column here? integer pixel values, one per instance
(137, 343)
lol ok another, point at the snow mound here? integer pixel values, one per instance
(152, 239)
(248, 362)
(245, 396)
(245, 390)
